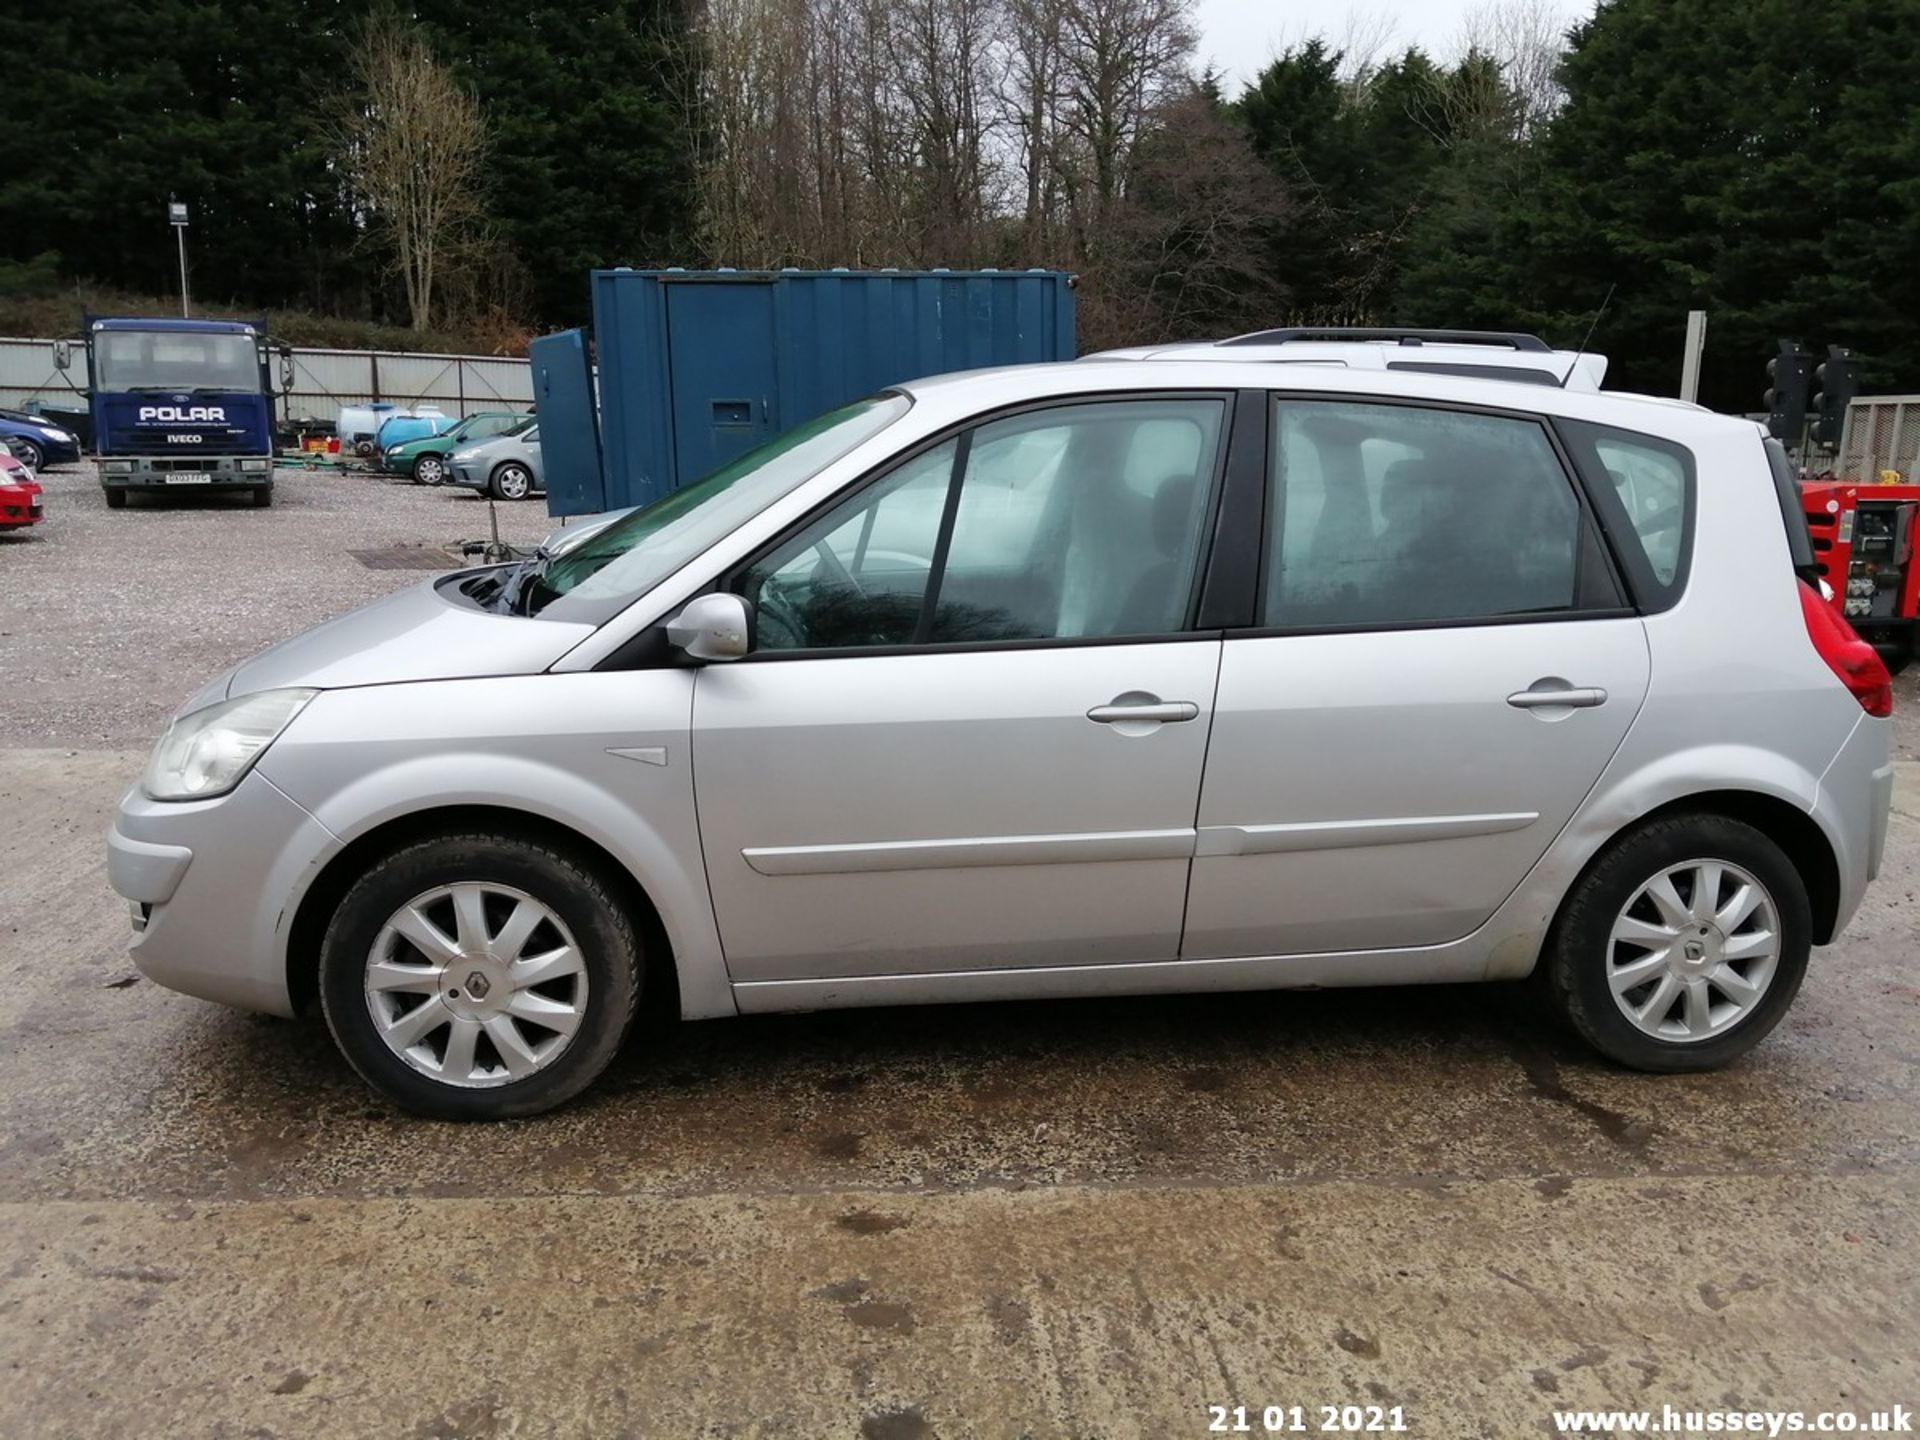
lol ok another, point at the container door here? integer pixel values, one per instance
(569, 424)
(720, 347)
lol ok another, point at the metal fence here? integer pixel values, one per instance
(1882, 433)
(323, 380)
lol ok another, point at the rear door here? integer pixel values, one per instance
(1442, 666)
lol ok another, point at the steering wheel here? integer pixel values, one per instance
(774, 610)
(830, 562)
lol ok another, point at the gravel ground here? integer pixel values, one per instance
(109, 618)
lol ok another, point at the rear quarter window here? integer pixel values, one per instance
(1643, 488)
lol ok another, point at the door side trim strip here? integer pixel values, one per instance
(1216, 840)
(1104, 845)
(1081, 849)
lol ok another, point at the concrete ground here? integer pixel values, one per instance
(1077, 1219)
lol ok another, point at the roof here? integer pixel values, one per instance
(1649, 414)
(191, 327)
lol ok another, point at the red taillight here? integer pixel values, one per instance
(1857, 664)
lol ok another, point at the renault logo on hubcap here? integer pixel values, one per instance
(1694, 951)
(478, 985)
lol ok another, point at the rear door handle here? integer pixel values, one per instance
(1572, 698)
(1164, 712)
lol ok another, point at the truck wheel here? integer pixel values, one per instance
(1896, 657)
(262, 496)
(116, 498)
(512, 481)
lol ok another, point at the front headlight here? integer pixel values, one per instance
(205, 754)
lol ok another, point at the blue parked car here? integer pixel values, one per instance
(37, 442)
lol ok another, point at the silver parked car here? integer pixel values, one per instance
(506, 467)
(1059, 680)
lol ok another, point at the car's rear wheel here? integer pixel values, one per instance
(1683, 945)
(429, 470)
(512, 481)
(480, 976)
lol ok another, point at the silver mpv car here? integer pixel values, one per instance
(1053, 681)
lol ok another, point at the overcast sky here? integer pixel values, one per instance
(1240, 36)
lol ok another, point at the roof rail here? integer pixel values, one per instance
(1504, 339)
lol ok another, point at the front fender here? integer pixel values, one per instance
(543, 745)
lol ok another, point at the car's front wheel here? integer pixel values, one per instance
(28, 453)
(429, 470)
(513, 481)
(479, 976)
(1683, 945)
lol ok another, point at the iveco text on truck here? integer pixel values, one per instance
(179, 403)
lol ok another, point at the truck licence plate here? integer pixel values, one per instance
(189, 477)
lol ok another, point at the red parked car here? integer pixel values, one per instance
(20, 502)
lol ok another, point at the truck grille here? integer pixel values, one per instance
(212, 442)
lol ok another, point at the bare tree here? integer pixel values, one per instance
(1526, 39)
(1188, 253)
(1121, 58)
(409, 140)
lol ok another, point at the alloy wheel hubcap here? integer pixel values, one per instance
(429, 471)
(513, 483)
(1694, 952)
(476, 984)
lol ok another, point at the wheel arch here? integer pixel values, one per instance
(1795, 831)
(660, 985)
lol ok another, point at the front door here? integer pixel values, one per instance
(1443, 669)
(972, 733)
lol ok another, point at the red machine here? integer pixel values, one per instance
(1863, 542)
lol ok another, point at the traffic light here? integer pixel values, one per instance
(1788, 379)
(1836, 381)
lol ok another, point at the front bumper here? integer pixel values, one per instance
(212, 886)
(20, 507)
(473, 477)
(197, 472)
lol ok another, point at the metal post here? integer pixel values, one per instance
(1690, 362)
(177, 217)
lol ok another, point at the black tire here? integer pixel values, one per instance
(586, 901)
(430, 470)
(511, 481)
(116, 497)
(262, 496)
(1577, 955)
(27, 452)
(1896, 657)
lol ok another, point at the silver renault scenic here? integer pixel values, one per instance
(1053, 681)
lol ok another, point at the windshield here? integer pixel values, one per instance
(631, 556)
(125, 360)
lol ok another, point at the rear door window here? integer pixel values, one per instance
(1390, 515)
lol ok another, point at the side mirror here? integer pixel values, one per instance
(62, 355)
(713, 627)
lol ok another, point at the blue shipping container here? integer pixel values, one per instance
(697, 367)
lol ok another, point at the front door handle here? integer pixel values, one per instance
(1568, 697)
(1136, 708)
